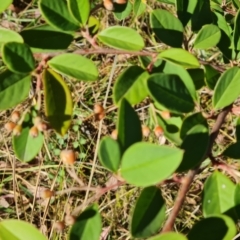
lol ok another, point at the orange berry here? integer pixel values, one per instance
(17, 130)
(59, 226)
(114, 134)
(68, 156)
(69, 220)
(15, 116)
(165, 114)
(47, 193)
(33, 131)
(9, 126)
(99, 116)
(158, 131)
(98, 108)
(108, 4)
(120, 1)
(145, 131)
(41, 126)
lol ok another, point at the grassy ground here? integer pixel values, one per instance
(21, 184)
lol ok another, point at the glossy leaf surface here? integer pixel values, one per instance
(57, 15)
(123, 38)
(226, 89)
(167, 27)
(87, 226)
(145, 164)
(109, 154)
(19, 230)
(132, 85)
(4, 5)
(75, 66)
(169, 91)
(149, 213)
(7, 35)
(18, 57)
(139, 7)
(10, 83)
(58, 101)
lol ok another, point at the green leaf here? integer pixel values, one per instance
(191, 121)
(213, 228)
(218, 195)
(202, 14)
(169, 236)
(236, 4)
(7, 35)
(211, 76)
(88, 225)
(148, 214)
(171, 128)
(18, 57)
(145, 164)
(19, 230)
(207, 37)
(121, 15)
(236, 32)
(237, 200)
(80, 10)
(132, 85)
(45, 37)
(93, 25)
(25, 146)
(181, 57)
(185, 10)
(10, 83)
(166, 27)
(58, 101)
(129, 127)
(195, 146)
(139, 7)
(226, 90)
(123, 38)
(170, 91)
(222, 23)
(57, 15)
(75, 66)
(197, 75)
(4, 5)
(109, 154)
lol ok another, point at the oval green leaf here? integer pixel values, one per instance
(46, 37)
(123, 38)
(56, 14)
(167, 27)
(4, 5)
(58, 101)
(120, 15)
(139, 7)
(148, 214)
(18, 57)
(211, 76)
(75, 66)
(207, 37)
(145, 164)
(237, 200)
(236, 32)
(226, 90)
(19, 230)
(213, 228)
(218, 195)
(7, 35)
(170, 91)
(169, 236)
(181, 57)
(132, 85)
(109, 154)
(10, 83)
(129, 126)
(87, 226)
(80, 10)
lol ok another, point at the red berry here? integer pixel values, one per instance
(9, 126)
(158, 131)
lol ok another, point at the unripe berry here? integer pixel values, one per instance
(9, 126)
(59, 226)
(69, 220)
(33, 132)
(17, 130)
(15, 116)
(47, 193)
(165, 114)
(145, 131)
(114, 134)
(68, 156)
(158, 131)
